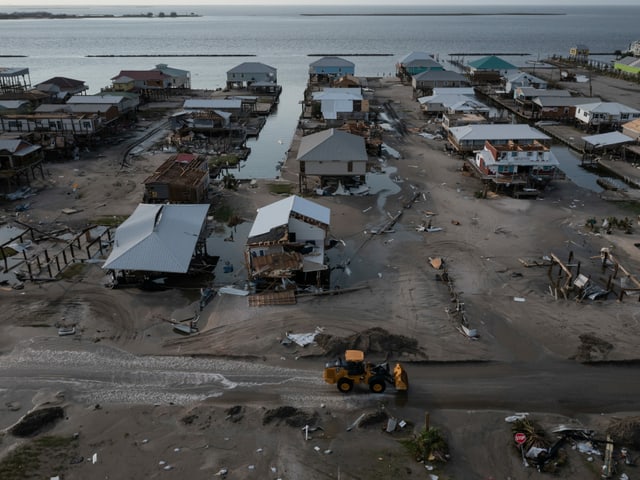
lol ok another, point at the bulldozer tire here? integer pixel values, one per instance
(345, 385)
(377, 385)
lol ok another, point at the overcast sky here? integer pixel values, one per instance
(186, 4)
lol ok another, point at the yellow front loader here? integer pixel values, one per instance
(353, 370)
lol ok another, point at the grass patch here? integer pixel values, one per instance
(8, 251)
(109, 220)
(281, 188)
(72, 271)
(226, 159)
(31, 459)
(223, 213)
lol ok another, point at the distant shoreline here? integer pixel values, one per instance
(70, 16)
(422, 14)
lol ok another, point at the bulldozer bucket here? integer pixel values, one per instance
(400, 378)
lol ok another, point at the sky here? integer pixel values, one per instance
(439, 3)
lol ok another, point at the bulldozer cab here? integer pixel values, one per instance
(355, 362)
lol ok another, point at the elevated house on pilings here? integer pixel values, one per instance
(254, 76)
(327, 69)
(161, 240)
(61, 88)
(14, 80)
(155, 84)
(19, 162)
(415, 63)
(336, 158)
(285, 249)
(520, 168)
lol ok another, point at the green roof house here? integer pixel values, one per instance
(491, 64)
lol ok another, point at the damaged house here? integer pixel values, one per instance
(19, 162)
(183, 178)
(286, 245)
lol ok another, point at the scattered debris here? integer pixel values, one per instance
(356, 422)
(302, 339)
(231, 290)
(66, 331)
(436, 262)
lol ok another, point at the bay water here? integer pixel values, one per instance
(289, 38)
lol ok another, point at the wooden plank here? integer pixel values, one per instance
(287, 297)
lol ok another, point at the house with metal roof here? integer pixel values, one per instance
(14, 106)
(606, 141)
(630, 65)
(473, 137)
(139, 80)
(286, 244)
(335, 157)
(490, 69)
(124, 103)
(329, 68)
(175, 77)
(66, 126)
(424, 83)
(517, 79)
(453, 104)
(415, 63)
(19, 162)
(523, 96)
(557, 108)
(605, 115)
(61, 88)
(249, 73)
(236, 105)
(158, 238)
(341, 103)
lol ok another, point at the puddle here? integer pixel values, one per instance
(383, 184)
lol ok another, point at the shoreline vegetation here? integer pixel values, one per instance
(64, 16)
(424, 14)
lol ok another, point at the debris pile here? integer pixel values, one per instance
(626, 431)
(592, 348)
(373, 340)
(291, 416)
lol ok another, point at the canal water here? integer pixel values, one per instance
(570, 164)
